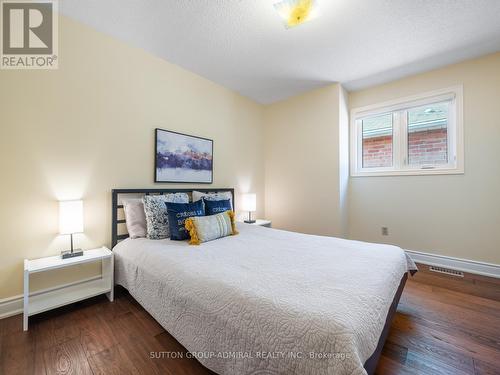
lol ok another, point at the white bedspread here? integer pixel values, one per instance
(267, 301)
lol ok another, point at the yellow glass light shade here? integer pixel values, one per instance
(296, 12)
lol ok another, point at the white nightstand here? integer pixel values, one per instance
(262, 223)
(56, 297)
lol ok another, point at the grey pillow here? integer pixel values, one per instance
(222, 196)
(155, 210)
(135, 219)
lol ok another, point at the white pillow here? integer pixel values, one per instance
(219, 196)
(135, 219)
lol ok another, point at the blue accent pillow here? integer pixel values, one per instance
(217, 207)
(177, 215)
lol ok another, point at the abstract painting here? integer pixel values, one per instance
(183, 158)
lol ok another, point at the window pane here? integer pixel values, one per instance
(428, 134)
(377, 141)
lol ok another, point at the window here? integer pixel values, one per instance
(418, 135)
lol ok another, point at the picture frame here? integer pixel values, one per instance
(183, 158)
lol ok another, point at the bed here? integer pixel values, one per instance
(267, 301)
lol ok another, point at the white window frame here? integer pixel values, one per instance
(400, 164)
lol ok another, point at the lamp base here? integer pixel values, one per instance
(71, 254)
(249, 221)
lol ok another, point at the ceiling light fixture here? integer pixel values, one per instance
(296, 12)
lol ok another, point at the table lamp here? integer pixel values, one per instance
(71, 222)
(249, 203)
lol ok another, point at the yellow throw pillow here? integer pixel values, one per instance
(208, 228)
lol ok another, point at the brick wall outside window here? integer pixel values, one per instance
(424, 147)
(428, 147)
(377, 152)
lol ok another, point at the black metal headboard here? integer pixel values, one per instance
(116, 206)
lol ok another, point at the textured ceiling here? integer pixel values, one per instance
(242, 44)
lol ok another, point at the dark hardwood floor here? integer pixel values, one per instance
(436, 331)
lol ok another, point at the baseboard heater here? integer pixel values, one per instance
(446, 271)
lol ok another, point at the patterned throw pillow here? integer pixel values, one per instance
(207, 228)
(216, 207)
(156, 213)
(177, 215)
(223, 195)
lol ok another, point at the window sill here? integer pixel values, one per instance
(410, 172)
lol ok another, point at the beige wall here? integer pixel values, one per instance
(302, 162)
(455, 215)
(88, 127)
(343, 151)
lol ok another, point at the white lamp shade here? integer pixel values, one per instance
(249, 202)
(70, 217)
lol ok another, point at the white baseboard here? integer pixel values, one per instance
(14, 305)
(11, 306)
(464, 265)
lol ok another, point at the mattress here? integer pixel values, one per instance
(267, 301)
